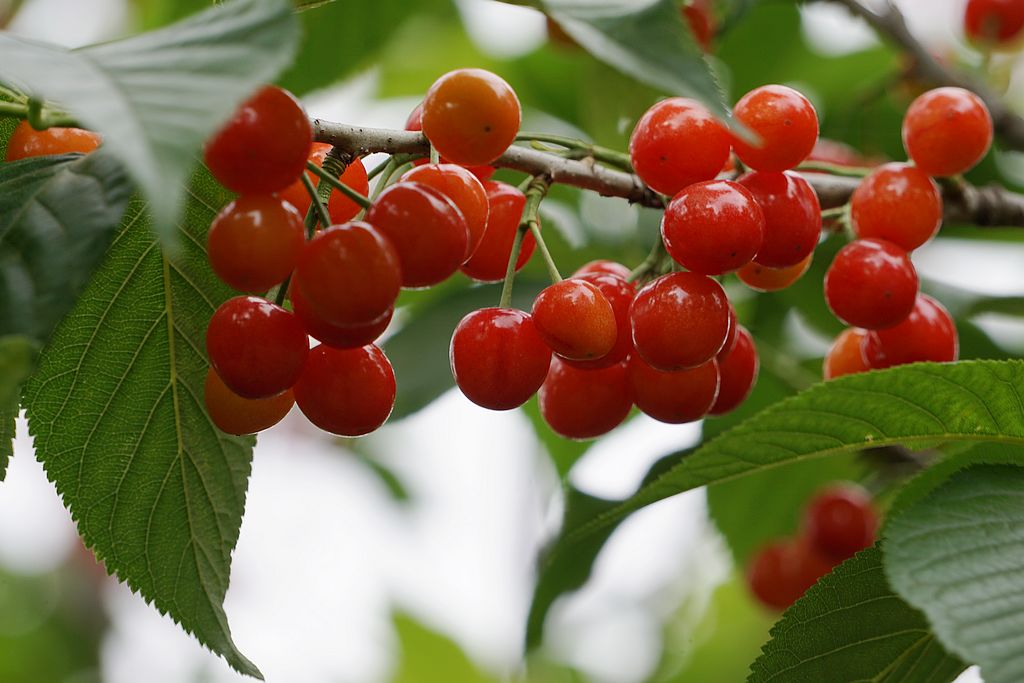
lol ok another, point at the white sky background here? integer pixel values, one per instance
(324, 552)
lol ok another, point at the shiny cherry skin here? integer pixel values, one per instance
(26, 141)
(792, 217)
(471, 116)
(233, 414)
(620, 295)
(604, 266)
(263, 147)
(575, 319)
(426, 228)
(947, 131)
(584, 404)
(338, 336)
(730, 338)
(349, 274)
(785, 122)
(255, 241)
(782, 571)
(415, 123)
(498, 359)
(505, 210)
(871, 284)
(927, 334)
(713, 227)
(700, 16)
(673, 397)
(340, 207)
(676, 143)
(994, 22)
(257, 348)
(737, 371)
(680, 321)
(840, 521)
(347, 392)
(464, 190)
(899, 203)
(764, 279)
(846, 355)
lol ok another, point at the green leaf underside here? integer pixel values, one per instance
(117, 413)
(958, 555)
(851, 626)
(157, 96)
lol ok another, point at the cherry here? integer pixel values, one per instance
(713, 227)
(947, 131)
(498, 359)
(994, 21)
(620, 295)
(699, 15)
(338, 336)
(676, 143)
(27, 142)
(471, 116)
(584, 404)
(575, 320)
(233, 414)
(463, 188)
(263, 147)
(738, 372)
(897, 202)
(426, 228)
(256, 347)
(415, 123)
(730, 339)
(604, 266)
(846, 355)
(680, 321)
(673, 397)
(781, 572)
(927, 334)
(255, 242)
(340, 207)
(764, 279)
(871, 284)
(840, 521)
(489, 261)
(792, 217)
(348, 392)
(785, 122)
(349, 274)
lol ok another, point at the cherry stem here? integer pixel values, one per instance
(316, 204)
(435, 156)
(535, 193)
(34, 111)
(580, 149)
(384, 165)
(510, 271)
(341, 187)
(835, 169)
(654, 257)
(282, 291)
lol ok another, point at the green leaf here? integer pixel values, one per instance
(17, 355)
(157, 96)
(850, 626)
(958, 555)
(117, 413)
(428, 656)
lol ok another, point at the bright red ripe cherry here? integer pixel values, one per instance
(575, 319)
(27, 142)
(676, 143)
(846, 355)
(471, 116)
(338, 336)
(415, 123)
(263, 147)
(713, 227)
(498, 359)
(463, 188)
(737, 371)
(489, 261)
(781, 572)
(994, 22)
(871, 284)
(673, 397)
(620, 295)
(680, 321)
(604, 266)
(584, 404)
(348, 392)
(792, 217)
(255, 242)
(765, 279)
(785, 122)
(927, 334)
(897, 202)
(340, 207)
(840, 521)
(349, 274)
(256, 347)
(947, 131)
(236, 415)
(426, 229)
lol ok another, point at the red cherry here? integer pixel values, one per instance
(785, 122)
(781, 572)
(584, 404)
(604, 266)
(840, 521)
(738, 372)
(927, 334)
(26, 141)
(338, 336)
(257, 348)
(575, 319)
(871, 284)
(463, 188)
(764, 279)
(348, 392)
(498, 358)
(899, 203)
(676, 143)
(233, 414)
(340, 207)
(415, 123)
(349, 274)
(264, 146)
(426, 229)
(673, 397)
(489, 261)
(792, 217)
(846, 355)
(994, 21)
(730, 339)
(947, 131)
(699, 14)
(620, 295)
(255, 242)
(680, 321)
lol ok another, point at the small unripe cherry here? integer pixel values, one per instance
(673, 397)
(947, 131)
(233, 414)
(26, 141)
(737, 371)
(575, 319)
(792, 217)
(764, 279)
(897, 202)
(254, 242)
(927, 334)
(871, 284)
(348, 392)
(785, 123)
(584, 404)
(846, 355)
(840, 521)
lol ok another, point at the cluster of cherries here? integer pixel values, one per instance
(837, 523)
